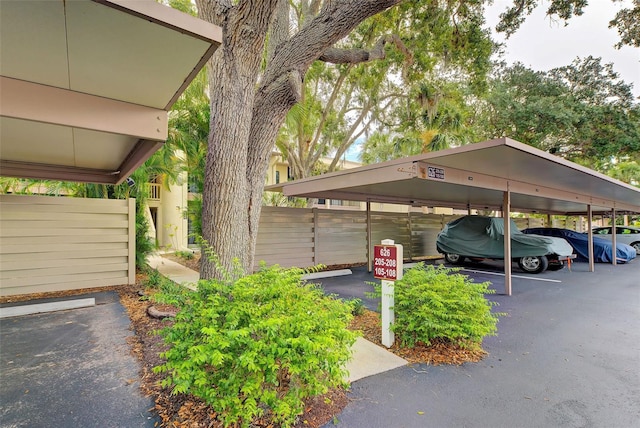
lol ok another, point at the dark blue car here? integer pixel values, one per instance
(579, 242)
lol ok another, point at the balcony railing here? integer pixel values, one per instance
(154, 191)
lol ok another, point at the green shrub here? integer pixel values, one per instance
(154, 277)
(186, 255)
(257, 346)
(144, 245)
(437, 303)
(357, 306)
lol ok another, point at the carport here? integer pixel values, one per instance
(87, 85)
(500, 174)
(85, 90)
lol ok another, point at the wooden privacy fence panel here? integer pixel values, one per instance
(391, 226)
(58, 243)
(307, 237)
(285, 237)
(341, 237)
(424, 230)
(525, 223)
(565, 223)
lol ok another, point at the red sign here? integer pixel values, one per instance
(385, 262)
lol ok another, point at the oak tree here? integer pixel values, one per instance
(257, 75)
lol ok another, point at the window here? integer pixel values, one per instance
(277, 177)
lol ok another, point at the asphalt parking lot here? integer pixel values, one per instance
(71, 368)
(567, 354)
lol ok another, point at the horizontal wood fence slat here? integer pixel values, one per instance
(305, 237)
(60, 243)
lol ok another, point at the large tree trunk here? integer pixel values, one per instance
(245, 118)
(233, 72)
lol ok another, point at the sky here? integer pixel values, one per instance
(542, 45)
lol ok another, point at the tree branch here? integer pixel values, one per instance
(347, 139)
(355, 56)
(335, 21)
(315, 154)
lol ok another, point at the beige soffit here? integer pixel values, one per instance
(476, 176)
(85, 86)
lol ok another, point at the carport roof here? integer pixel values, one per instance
(86, 84)
(476, 176)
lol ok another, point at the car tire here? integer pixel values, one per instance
(636, 245)
(454, 259)
(533, 264)
(555, 266)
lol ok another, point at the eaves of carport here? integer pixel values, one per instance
(86, 85)
(500, 174)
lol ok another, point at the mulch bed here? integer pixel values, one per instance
(185, 411)
(438, 352)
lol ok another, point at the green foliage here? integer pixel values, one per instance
(582, 112)
(357, 306)
(154, 278)
(194, 213)
(144, 244)
(625, 21)
(274, 199)
(186, 255)
(420, 43)
(256, 346)
(438, 303)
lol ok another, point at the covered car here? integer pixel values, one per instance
(624, 234)
(580, 243)
(480, 237)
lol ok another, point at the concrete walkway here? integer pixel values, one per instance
(368, 358)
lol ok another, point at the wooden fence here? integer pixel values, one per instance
(306, 237)
(59, 243)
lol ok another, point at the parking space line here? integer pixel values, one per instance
(513, 276)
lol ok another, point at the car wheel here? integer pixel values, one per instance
(454, 259)
(533, 264)
(636, 245)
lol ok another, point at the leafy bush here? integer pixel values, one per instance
(144, 245)
(154, 277)
(437, 303)
(185, 255)
(357, 306)
(257, 346)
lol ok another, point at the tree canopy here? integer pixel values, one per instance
(269, 50)
(343, 101)
(582, 112)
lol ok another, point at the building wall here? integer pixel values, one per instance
(172, 229)
(57, 243)
(166, 207)
(278, 171)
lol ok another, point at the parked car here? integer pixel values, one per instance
(625, 234)
(479, 237)
(580, 243)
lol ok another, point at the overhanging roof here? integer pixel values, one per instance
(85, 85)
(476, 176)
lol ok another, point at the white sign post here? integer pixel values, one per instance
(387, 266)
